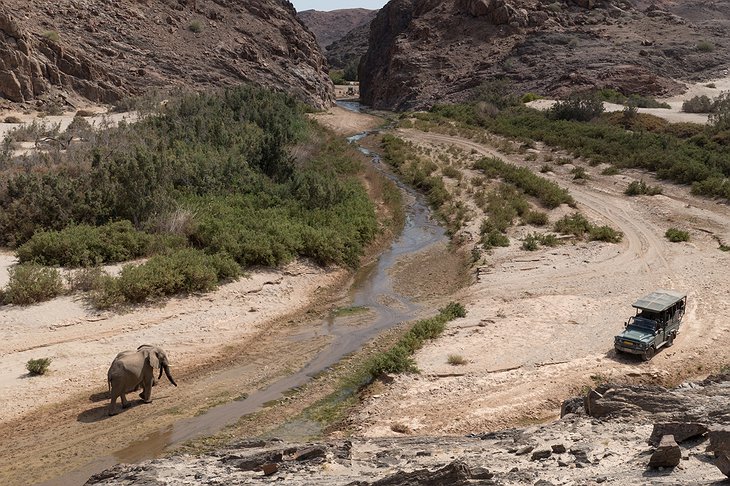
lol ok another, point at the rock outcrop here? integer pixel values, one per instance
(423, 52)
(577, 449)
(104, 51)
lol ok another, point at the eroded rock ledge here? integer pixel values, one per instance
(632, 434)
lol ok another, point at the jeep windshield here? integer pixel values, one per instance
(643, 324)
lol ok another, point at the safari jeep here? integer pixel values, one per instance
(655, 324)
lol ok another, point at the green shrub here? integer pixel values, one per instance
(676, 235)
(38, 366)
(84, 245)
(575, 224)
(399, 358)
(637, 188)
(698, 104)
(579, 173)
(30, 283)
(182, 271)
(547, 192)
(493, 238)
(196, 26)
(605, 233)
(86, 279)
(415, 170)
(530, 243)
(610, 170)
(578, 108)
(536, 218)
(451, 172)
(533, 241)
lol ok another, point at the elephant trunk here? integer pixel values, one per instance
(167, 373)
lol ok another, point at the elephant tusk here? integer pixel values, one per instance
(169, 376)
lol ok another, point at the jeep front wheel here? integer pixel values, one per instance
(648, 354)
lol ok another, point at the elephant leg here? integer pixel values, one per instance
(146, 391)
(125, 402)
(113, 405)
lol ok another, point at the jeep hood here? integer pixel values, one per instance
(634, 334)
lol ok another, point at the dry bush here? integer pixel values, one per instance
(456, 360)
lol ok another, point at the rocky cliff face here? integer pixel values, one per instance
(618, 435)
(103, 51)
(333, 25)
(424, 51)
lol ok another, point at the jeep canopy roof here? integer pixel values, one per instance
(659, 300)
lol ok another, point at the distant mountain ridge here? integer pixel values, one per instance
(333, 25)
(342, 34)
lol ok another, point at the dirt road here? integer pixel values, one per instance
(541, 324)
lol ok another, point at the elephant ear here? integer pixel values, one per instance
(151, 357)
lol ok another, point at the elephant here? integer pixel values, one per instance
(132, 369)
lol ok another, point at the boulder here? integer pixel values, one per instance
(541, 454)
(720, 446)
(667, 454)
(719, 440)
(571, 406)
(680, 430)
(253, 462)
(309, 453)
(455, 474)
(558, 448)
(723, 464)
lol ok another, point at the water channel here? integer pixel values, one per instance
(372, 288)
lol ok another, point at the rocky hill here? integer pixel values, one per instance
(103, 51)
(333, 25)
(350, 48)
(631, 434)
(427, 51)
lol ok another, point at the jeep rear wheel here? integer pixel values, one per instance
(648, 354)
(670, 340)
